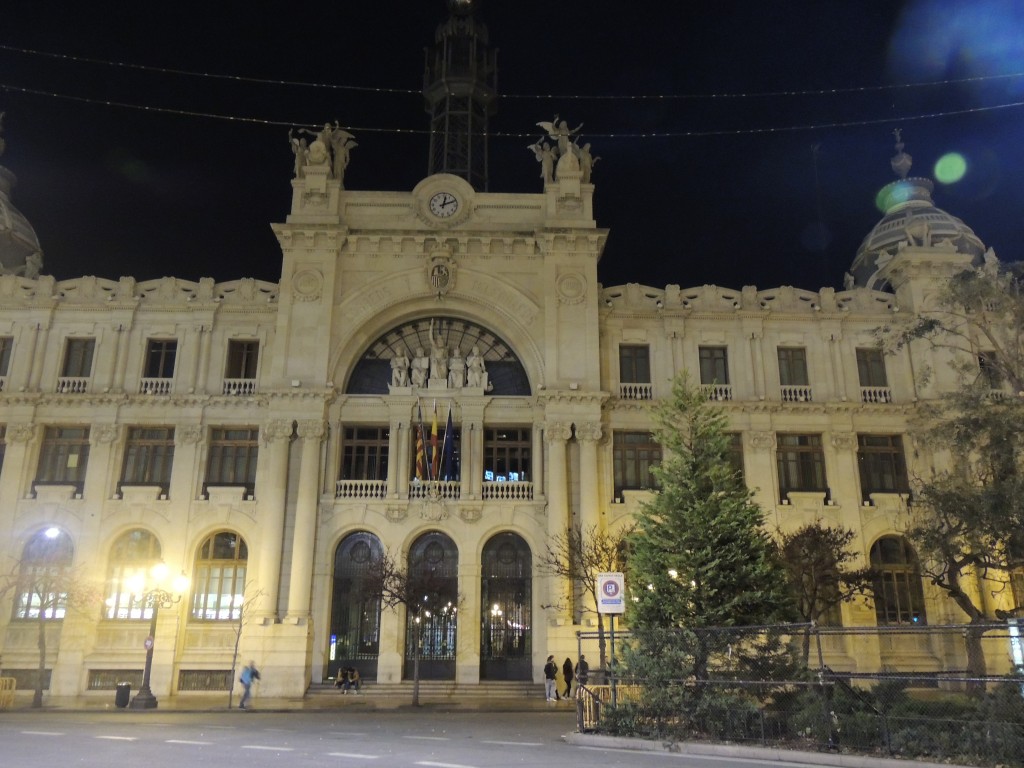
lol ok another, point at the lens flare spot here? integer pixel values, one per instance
(950, 168)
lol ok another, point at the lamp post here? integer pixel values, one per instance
(154, 598)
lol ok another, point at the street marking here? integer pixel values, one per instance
(117, 738)
(445, 765)
(428, 738)
(187, 741)
(352, 754)
(42, 733)
(271, 749)
(515, 743)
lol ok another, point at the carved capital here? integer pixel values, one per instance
(557, 431)
(20, 433)
(278, 429)
(591, 433)
(190, 434)
(761, 441)
(311, 429)
(844, 441)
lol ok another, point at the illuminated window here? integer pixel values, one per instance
(899, 596)
(131, 558)
(219, 578)
(507, 454)
(43, 576)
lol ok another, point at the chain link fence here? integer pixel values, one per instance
(930, 693)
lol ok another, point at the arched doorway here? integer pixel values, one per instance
(505, 616)
(432, 611)
(355, 607)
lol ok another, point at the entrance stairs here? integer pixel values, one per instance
(514, 695)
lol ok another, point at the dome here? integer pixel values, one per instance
(911, 218)
(20, 253)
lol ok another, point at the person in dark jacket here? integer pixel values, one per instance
(582, 670)
(567, 675)
(550, 675)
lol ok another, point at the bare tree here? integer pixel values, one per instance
(577, 557)
(252, 598)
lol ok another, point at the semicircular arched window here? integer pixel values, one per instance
(44, 577)
(218, 577)
(133, 555)
(505, 373)
(899, 595)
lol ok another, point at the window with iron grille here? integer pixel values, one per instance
(43, 580)
(242, 359)
(793, 366)
(634, 364)
(232, 456)
(714, 365)
(218, 580)
(507, 454)
(364, 453)
(633, 456)
(63, 456)
(871, 368)
(160, 356)
(883, 467)
(78, 355)
(801, 463)
(899, 596)
(133, 555)
(148, 456)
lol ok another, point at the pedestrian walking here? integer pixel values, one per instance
(582, 670)
(550, 673)
(250, 674)
(567, 676)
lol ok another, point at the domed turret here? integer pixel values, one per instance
(20, 253)
(911, 219)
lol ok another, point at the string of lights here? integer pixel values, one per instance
(535, 96)
(520, 135)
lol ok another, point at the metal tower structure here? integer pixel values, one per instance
(459, 86)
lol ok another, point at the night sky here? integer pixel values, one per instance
(759, 166)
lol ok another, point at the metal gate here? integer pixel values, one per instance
(355, 610)
(432, 621)
(505, 616)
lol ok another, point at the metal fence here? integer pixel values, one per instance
(917, 692)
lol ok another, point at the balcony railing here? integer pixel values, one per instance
(796, 393)
(508, 491)
(636, 391)
(155, 386)
(434, 489)
(717, 391)
(239, 386)
(73, 385)
(361, 489)
(875, 395)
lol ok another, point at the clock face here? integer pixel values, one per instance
(444, 204)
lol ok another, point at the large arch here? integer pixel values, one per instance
(431, 632)
(506, 599)
(355, 607)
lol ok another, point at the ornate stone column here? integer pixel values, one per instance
(311, 432)
(41, 340)
(757, 364)
(588, 436)
(271, 495)
(557, 434)
(396, 467)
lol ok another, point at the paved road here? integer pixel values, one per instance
(297, 739)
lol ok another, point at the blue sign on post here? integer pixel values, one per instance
(611, 593)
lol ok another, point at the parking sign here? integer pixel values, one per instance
(611, 593)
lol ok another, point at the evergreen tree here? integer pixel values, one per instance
(700, 557)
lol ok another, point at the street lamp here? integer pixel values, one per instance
(155, 597)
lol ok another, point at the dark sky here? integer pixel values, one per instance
(733, 196)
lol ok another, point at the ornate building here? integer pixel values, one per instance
(267, 440)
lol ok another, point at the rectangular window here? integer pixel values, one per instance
(232, 456)
(63, 456)
(714, 365)
(634, 364)
(364, 453)
(148, 455)
(242, 359)
(78, 358)
(883, 467)
(793, 366)
(507, 454)
(871, 368)
(801, 463)
(160, 356)
(6, 345)
(633, 456)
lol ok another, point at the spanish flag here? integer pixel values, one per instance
(435, 455)
(420, 460)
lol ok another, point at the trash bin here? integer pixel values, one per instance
(124, 692)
